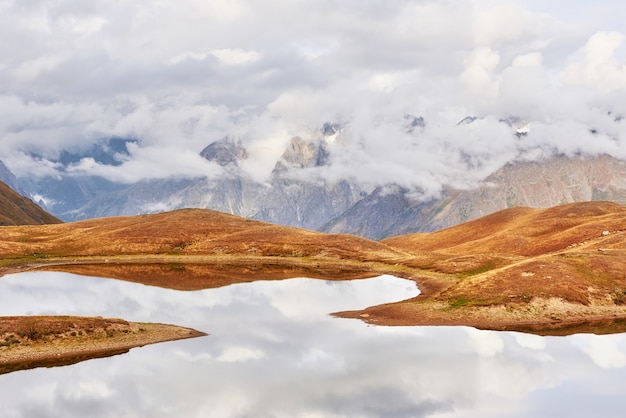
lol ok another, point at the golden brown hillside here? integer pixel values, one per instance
(186, 231)
(521, 231)
(517, 267)
(522, 266)
(19, 210)
(186, 235)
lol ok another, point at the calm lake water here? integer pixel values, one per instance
(274, 352)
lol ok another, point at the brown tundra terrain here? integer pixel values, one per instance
(549, 271)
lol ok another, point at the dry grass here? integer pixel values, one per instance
(539, 269)
(521, 231)
(494, 271)
(24, 330)
(183, 232)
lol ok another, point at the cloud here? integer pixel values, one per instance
(478, 75)
(531, 341)
(301, 364)
(486, 343)
(599, 67)
(605, 351)
(160, 162)
(240, 355)
(177, 76)
(235, 56)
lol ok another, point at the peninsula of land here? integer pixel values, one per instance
(27, 342)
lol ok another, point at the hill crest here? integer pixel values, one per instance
(520, 231)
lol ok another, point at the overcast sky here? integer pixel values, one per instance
(180, 74)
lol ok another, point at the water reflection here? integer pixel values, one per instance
(274, 352)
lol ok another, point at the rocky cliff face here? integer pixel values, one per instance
(303, 154)
(345, 207)
(382, 213)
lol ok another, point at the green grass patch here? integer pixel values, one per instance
(478, 270)
(460, 302)
(465, 302)
(26, 258)
(9, 341)
(601, 276)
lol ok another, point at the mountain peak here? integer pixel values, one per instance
(330, 129)
(413, 122)
(225, 151)
(466, 120)
(304, 154)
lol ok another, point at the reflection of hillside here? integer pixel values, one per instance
(189, 276)
(598, 327)
(65, 360)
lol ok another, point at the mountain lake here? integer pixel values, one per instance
(274, 351)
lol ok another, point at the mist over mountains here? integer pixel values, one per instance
(305, 190)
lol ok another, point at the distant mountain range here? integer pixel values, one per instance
(537, 184)
(293, 198)
(65, 193)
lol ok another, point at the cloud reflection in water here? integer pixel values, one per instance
(274, 352)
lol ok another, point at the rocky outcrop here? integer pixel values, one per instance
(303, 154)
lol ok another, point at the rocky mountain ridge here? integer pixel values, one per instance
(538, 184)
(295, 196)
(287, 200)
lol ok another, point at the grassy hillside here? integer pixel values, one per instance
(19, 210)
(516, 267)
(520, 266)
(195, 233)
